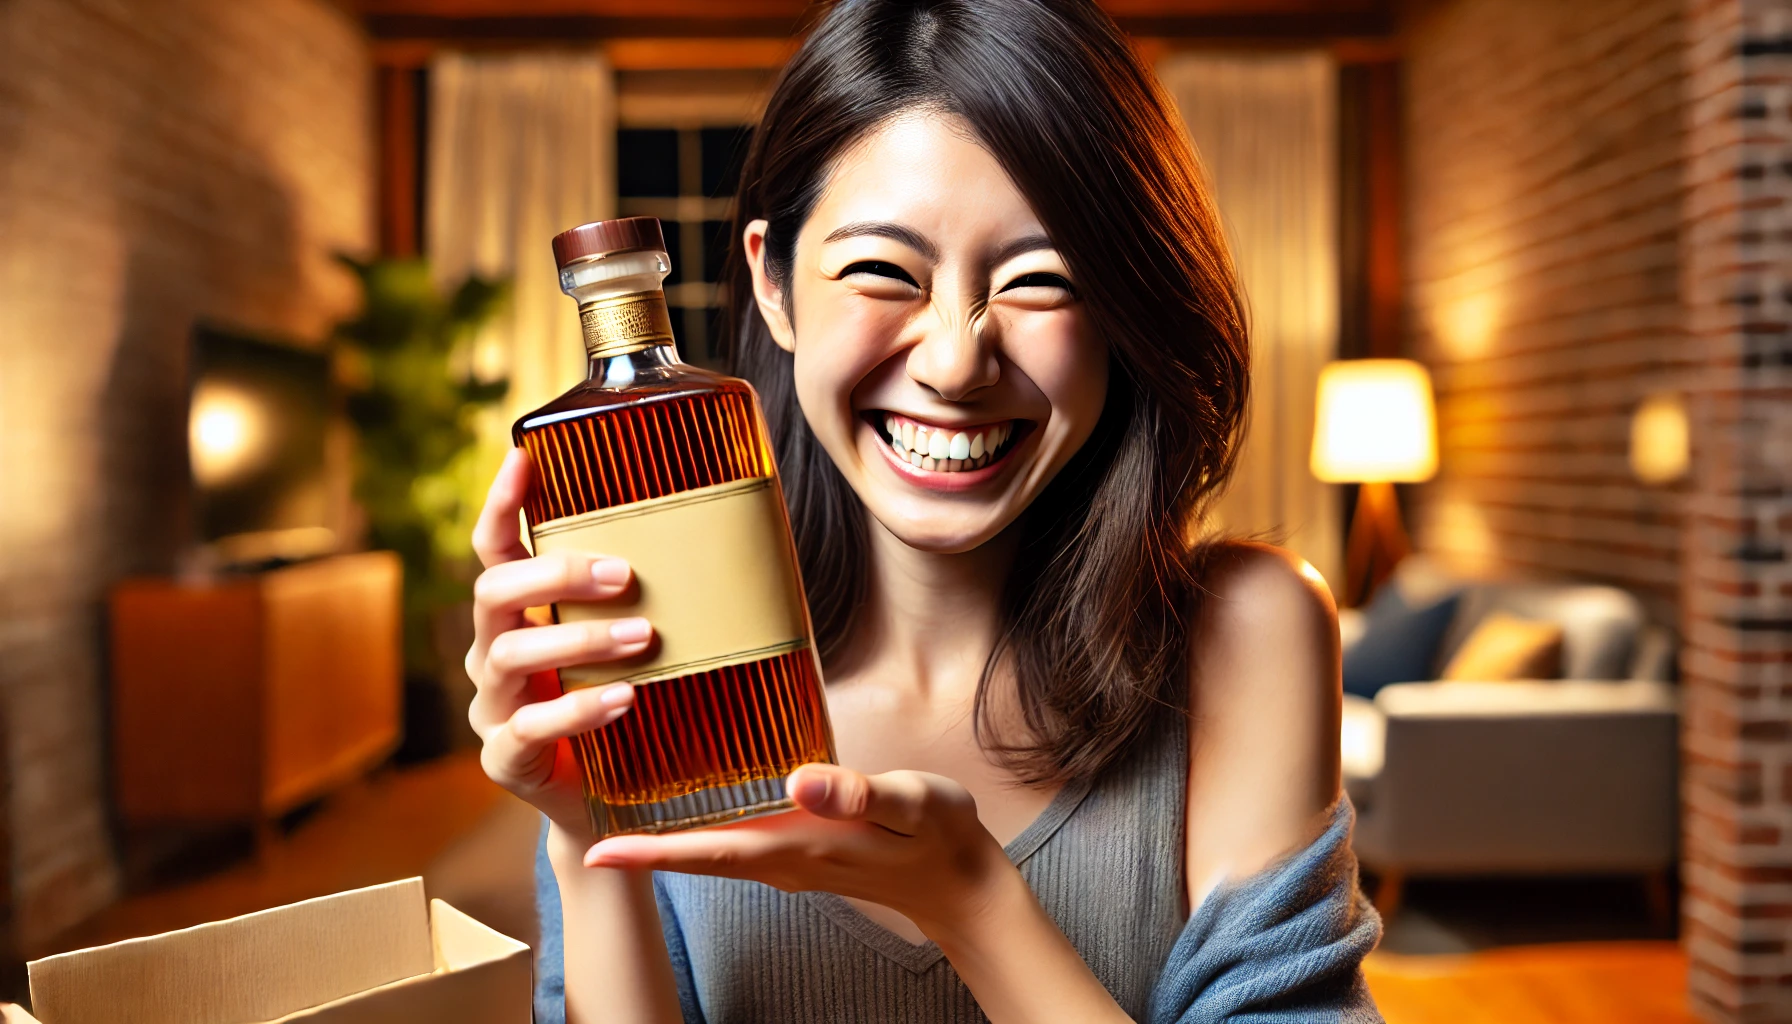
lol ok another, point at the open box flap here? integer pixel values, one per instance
(257, 967)
(462, 942)
(481, 977)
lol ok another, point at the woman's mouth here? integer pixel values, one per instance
(947, 449)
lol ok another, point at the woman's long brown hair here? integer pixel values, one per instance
(1096, 610)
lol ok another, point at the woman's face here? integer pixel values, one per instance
(943, 357)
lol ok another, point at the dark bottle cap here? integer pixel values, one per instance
(607, 238)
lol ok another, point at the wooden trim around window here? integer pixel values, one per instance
(399, 160)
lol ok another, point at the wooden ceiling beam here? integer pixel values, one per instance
(706, 10)
(537, 21)
(570, 28)
(789, 9)
(577, 29)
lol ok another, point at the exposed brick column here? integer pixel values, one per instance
(1736, 591)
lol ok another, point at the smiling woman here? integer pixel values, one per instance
(1087, 768)
(952, 227)
(919, 273)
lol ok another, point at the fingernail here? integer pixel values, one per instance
(618, 694)
(630, 631)
(610, 572)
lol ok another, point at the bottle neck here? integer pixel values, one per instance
(622, 369)
(619, 324)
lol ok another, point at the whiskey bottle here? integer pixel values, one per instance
(668, 465)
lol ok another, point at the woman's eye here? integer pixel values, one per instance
(880, 268)
(1040, 279)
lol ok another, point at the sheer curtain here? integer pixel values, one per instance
(521, 147)
(1265, 128)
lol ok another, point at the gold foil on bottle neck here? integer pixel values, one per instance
(626, 323)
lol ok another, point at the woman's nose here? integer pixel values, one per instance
(956, 358)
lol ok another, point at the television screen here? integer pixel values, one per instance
(257, 426)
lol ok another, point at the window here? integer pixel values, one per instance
(686, 176)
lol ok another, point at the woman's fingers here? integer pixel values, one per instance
(515, 655)
(907, 840)
(898, 801)
(518, 652)
(503, 591)
(519, 755)
(570, 714)
(497, 537)
(731, 852)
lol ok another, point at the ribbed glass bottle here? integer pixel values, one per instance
(668, 465)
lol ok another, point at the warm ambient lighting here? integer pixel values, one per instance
(1375, 426)
(1375, 423)
(1660, 450)
(1466, 326)
(226, 434)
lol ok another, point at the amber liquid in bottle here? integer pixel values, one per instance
(647, 433)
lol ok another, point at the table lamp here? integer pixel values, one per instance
(1375, 425)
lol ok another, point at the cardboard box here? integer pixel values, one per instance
(369, 955)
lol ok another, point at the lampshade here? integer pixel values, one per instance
(1375, 423)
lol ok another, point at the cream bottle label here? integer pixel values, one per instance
(713, 573)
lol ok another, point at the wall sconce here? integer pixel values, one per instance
(1376, 425)
(1660, 440)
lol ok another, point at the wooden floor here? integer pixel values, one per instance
(392, 826)
(1593, 983)
(472, 842)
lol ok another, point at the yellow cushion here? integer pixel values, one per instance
(1505, 647)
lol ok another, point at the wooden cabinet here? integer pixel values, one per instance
(240, 699)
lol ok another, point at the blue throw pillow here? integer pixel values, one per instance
(1399, 641)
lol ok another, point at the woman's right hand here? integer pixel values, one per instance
(519, 713)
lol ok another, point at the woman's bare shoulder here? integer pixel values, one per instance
(1251, 592)
(1264, 701)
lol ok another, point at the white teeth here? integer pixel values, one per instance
(943, 450)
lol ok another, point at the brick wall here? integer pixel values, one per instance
(1543, 146)
(159, 162)
(1600, 207)
(1737, 582)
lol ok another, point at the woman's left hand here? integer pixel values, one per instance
(910, 841)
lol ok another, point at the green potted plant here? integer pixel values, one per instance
(405, 364)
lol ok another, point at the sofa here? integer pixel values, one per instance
(1576, 775)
